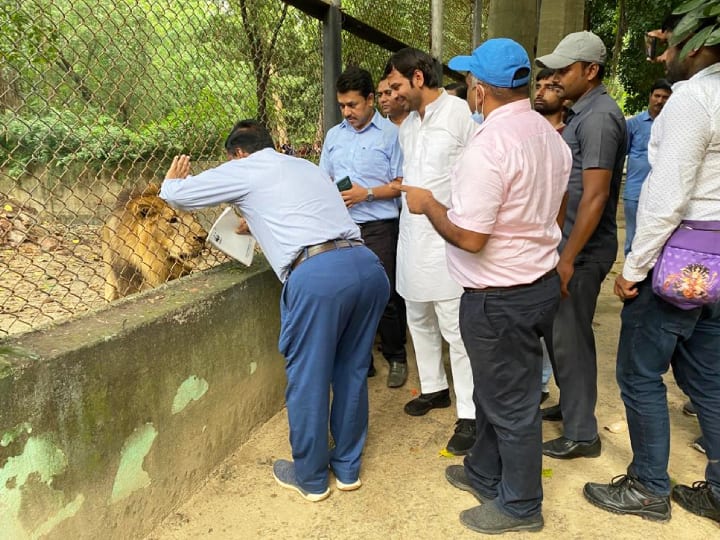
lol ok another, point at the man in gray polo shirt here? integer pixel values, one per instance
(596, 135)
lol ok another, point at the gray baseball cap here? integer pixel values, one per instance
(576, 47)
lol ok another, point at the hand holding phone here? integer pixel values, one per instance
(655, 44)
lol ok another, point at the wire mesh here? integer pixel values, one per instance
(97, 96)
(357, 52)
(95, 99)
(405, 20)
(458, 28)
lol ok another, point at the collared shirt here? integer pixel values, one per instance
(596, 134)
(371, 158)
(509, 183)
(684, 181)
(638, 167)
(431, 146)
(288, 202)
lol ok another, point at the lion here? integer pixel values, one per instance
(145, 243)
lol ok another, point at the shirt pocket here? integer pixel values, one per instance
(372, 162)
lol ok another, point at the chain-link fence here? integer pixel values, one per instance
(97, 96)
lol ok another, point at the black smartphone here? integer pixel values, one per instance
(651, 47)
(344, 183)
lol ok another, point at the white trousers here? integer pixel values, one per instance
(429, 323)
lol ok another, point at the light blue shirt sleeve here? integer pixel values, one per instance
(638, 166)
(396, 161)
(630, 127)
(325, 161)
(288, 202)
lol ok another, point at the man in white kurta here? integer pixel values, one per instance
(432, 137)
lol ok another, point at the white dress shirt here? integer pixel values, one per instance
(430, 146)
(684, 181)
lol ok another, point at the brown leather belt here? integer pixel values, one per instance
(317, 249)
(544, 277)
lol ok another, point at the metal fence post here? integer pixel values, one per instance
(332, 64)
(436, 30)
(477, 22)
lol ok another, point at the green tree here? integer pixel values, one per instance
(634, 71)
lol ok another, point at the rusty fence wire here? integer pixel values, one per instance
(95, 99)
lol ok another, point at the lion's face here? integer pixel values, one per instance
(146, 243)
(168, 233)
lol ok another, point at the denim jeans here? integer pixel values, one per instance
(654, 336)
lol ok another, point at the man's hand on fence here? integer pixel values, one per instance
(179, 168)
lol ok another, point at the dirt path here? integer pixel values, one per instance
(404, 493)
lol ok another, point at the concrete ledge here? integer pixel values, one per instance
(109, 421)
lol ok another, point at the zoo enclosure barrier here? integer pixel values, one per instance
(97, 96)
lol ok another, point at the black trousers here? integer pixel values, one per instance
(382, 238)
(501, 331)
(572, 351)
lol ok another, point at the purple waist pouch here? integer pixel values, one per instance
(687, 273)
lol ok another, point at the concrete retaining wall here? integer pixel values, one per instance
(109, 421)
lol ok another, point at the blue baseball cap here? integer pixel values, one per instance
(496, 62)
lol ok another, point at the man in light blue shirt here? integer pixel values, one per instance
(334, 293)
(638, 130)
(364, 147)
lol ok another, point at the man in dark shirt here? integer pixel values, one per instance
(596, 134)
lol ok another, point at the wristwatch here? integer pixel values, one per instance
(370, 196)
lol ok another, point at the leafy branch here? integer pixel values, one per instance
(700, 23)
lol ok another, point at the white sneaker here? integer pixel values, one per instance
(342, 486)
(284, 473)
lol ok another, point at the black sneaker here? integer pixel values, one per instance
(464, 437)
(488, 519)
(424, 403)
(397, 374)
(698, 499)
(626, 495)
(455, 474)
(564, 448)
(552, 414)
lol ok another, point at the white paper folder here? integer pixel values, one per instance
(223, 236)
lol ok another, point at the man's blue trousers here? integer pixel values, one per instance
(330, 308)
